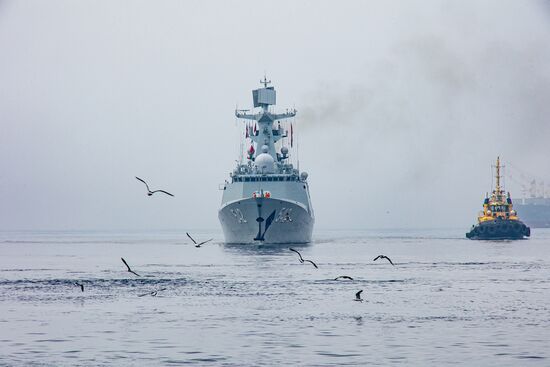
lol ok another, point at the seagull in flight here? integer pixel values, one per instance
(128, 266)
(343, 277)
(195, 242)
(153, 293)
(149, 192)
(312, 263)
(383, 257)
(358, 296)
(79, 285)
(302, 260)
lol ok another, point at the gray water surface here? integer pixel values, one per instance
(448, 300)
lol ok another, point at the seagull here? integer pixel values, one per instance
(153, 293)
(195, 242)
(128, 266)
(79, 285)
(343, 277)
(312, 263)
(149, 193)
(383, 257)
(358, 296)
(302, 260)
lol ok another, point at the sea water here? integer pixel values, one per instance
(447, 300)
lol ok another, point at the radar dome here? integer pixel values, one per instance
(265, 163)
(303, 176)
(284, 150)
(265, 148)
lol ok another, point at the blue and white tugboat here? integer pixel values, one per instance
(266, 199)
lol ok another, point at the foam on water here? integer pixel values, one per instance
(447, 301)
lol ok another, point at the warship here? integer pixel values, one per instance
(498, 220)
(266, 199)
(534, 205)
(535, 211)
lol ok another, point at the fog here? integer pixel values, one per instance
(403, 106)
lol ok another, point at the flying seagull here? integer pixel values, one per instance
(149, 192)
(153, 293)
(302, 260)
(358, 296)
(195, 242)
(312, 263)
(79, 285)
(128, 266)
(383, 257)
(343, 277)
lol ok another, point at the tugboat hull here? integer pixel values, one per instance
(499, 230)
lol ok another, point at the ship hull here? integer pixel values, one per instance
(499, 230)
(536, 215)
(290, 221)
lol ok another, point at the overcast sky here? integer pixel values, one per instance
(402, 106)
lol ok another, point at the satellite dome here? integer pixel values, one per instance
(303, 176)
(265, 148)
(265, 163)
(284, 150)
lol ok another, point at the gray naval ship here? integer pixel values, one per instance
(267, 199)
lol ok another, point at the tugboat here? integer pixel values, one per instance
(498, 220)
(267, 199)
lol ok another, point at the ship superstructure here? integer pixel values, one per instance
(498, 220)
(267, 199)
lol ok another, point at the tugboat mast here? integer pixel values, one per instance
(498, 176)
(498, 194)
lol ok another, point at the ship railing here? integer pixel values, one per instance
(265, 178)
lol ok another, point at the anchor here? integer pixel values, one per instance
(268, 221)
(260, 219)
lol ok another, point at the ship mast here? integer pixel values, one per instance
(265, 133)
(498, 176)
(265, 82)
(498, 193)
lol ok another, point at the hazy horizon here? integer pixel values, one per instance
(402, 107)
